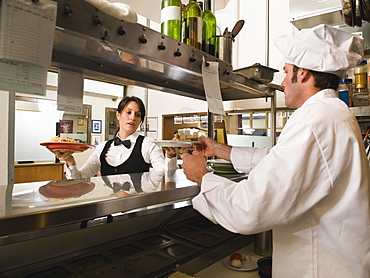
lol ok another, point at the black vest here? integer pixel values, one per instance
(134, 164)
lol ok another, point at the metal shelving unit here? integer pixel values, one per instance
(90, 41)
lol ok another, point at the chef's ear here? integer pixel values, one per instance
(303, 74)
(117, 115)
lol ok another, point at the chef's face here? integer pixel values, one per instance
(129, 118)
(292, 88)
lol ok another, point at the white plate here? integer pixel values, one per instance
(174, 143)
(246, 265)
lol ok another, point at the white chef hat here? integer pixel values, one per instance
(322, 48)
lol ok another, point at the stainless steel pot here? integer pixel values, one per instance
(224, 43)
(225, 47)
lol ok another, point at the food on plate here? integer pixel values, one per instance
(236, 263)
(65, 139)
(248, 258)
(236, 260)
(236, 256)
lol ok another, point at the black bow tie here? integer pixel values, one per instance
(118, 141)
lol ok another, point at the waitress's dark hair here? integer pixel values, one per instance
(123, 103)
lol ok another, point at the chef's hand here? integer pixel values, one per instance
(211, 147)
(66, 156)
(195, 166)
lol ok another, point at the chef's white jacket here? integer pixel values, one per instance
(116, 155)
(312, 189)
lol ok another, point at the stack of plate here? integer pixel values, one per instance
(221, 166)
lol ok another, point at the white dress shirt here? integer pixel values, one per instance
(116, 155)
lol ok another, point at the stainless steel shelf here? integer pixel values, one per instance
(363, 111)
(132, 54)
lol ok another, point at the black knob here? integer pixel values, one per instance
(161, 46)
(97, 21)
(143, 40)
(67, 10)
(177, 53)
(207, 64)
(227, 72)
(192, 60)
(120, 31)
(105, 36)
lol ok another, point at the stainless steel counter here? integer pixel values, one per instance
(89, 218)
(39, 205)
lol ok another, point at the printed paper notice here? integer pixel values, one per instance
(26, 44)
(70, 91)
(211, 84)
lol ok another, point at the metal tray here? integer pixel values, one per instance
(58, 270)
(125, 250)
(154, 241)
(149, 261)
(257, 72)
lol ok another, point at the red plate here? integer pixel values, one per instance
(67, 146)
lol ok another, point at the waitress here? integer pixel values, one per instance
(128, 152)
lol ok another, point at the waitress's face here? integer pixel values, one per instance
(129, 118)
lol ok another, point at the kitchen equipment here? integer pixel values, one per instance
(263, 243)
(238, 26)
(258, 72)
(265, 267)
(225, 42)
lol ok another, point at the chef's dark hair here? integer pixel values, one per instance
(323, 80)
(123, 103)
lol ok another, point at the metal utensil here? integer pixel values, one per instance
(238, 26)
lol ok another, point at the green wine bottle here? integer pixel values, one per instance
(171, 18)
(193, 25)
(208, 29)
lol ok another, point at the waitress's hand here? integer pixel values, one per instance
(66, 156)
(170, 152)
(195, 166)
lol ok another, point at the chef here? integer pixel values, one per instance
(312, 187)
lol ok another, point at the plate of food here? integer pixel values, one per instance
(241, 262)
(66, 144)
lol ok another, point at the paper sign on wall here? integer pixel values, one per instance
(212, 87)
(26, 44)
(70, 91)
